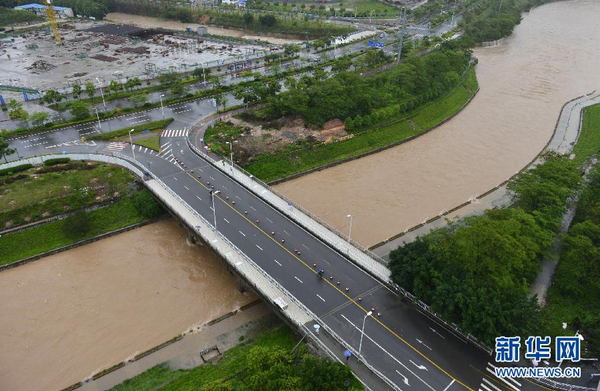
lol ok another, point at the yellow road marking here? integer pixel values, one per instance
(334, 286)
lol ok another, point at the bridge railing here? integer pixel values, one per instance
(358, 255)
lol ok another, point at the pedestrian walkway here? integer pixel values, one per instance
(175, 133)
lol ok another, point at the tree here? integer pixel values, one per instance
(168, 78)
(4, 149)
(20, 115)
(13, 105)
(267, 20)
(76, 225)
(248, 19)
(133, 82)
(290, 50)
(139, 99)
(52, 96)
(115, 86)
(146, 205)
(90, 89)
(80, 110)
(76, 91)
(38, 118)
(180, 89)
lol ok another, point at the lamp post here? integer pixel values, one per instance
(131, 142)
(362, 332)
(212, 196)
(231, 153)
(102, 93)
(350, 230)
(162, 109)
(98, 116)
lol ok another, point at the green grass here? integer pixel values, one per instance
(292, 160)
(46, 237)
(115, 134)
(151, 142)
(589, 140)
(233, 362)
(222, 132)
(46, 194)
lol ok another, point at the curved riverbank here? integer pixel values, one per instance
(524, 82)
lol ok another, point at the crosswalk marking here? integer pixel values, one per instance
(487, 385)
(174, 133)
(116, 146)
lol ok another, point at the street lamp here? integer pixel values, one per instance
(98, 116)
(362, 332)
(212, 195)
(131, 142)
(102, 93)
(162, 109)
(350, 231)
(231, 153)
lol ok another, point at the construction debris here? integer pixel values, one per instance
(41, 65)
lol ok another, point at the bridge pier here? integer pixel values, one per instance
(191, 237)
(241, 285)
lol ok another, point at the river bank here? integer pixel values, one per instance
(105, 302)
(523, 84)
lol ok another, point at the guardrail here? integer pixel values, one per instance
(352, 252)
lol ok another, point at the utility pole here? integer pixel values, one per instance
(401, 33)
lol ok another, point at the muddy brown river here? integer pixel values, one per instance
(69, 315)
(552, 57)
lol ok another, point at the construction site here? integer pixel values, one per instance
(92, 50)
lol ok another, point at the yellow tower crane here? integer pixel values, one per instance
(52, 17)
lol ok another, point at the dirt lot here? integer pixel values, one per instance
(253, 139)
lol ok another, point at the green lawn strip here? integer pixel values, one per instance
(46, 237)
(234, 361)
(589, 139)
(292, 160)
(151, 142)
(154, 125)
(46, 194)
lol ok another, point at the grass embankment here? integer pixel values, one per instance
(589, 140)
(262, 364)
(151, 142)
(47, 237)
(41, 192)
(124, 132)
(292, 161)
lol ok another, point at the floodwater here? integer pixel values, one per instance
(149, 22)
(552, 57)
(69, 315)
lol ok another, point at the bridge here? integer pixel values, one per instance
(277, 249)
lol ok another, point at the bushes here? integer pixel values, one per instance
(60, 160)
(76, 225)
(154, 125)
(15, 169)
(146, 205)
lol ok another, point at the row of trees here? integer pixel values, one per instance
(87, 8)
(477, 272)
(347, 95)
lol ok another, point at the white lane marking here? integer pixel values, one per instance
(421, 342)
(260, 248)
(226, 220)
(238, 197)
(225, 188)
(277, 262)
(187, 188)
(388, 353)
(421, 367)
(286, 233)
(298, 279)
(211, 178)
(405, 379)
(434, 330)
(504, 381)
(251, 207)
(490, 384)
(199, 198)
(321, 298)
(242, 233)
(269, 220)
(448, 386)
(305, 247)
(174, 178)
(145, 150)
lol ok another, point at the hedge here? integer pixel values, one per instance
(59, 160)
(15, 169)
(154, 125)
